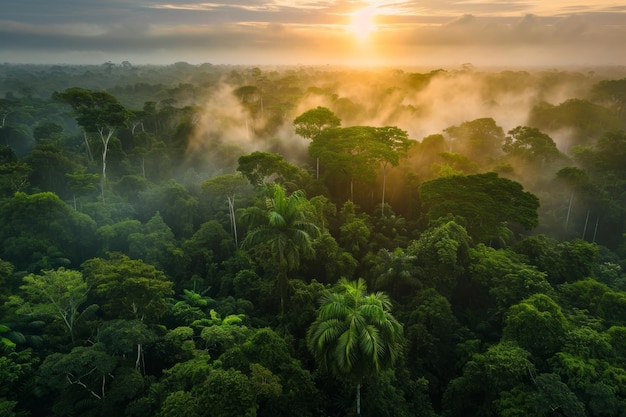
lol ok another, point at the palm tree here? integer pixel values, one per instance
(355, 336)
(395, 271)
(285, 229)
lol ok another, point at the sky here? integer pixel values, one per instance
(315, 32)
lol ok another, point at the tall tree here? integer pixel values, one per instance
(349, 153)
(355, 336)
(395, 144)
(228, 186)
(285, 228)
(312, 122)
(96, 111)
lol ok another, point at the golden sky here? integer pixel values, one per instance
(394, 32)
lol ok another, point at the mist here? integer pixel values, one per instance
(421, 103)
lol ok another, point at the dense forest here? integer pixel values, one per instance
(214, 240)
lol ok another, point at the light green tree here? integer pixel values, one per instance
(355, 336)
(58, 293)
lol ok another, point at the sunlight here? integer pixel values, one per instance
(363, 23)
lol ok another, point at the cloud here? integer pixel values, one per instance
(313, 31)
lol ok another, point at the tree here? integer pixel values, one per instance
(312, 122)
(355, 336)
(285, 228)
(50, 167)
(396, 144)
(96, 111)
(480, 139)
(40, 231)
(486, 202)
(395, 271)
(503, 367)
(614, 93)
(81, 182)
(441, 255)
(534, 316)
(506, 277)
(228, 186)
(583, 118)
(59, 293)
(355, 151)
(531, 144)
(14, 174)
(130, 289)
(7, 106)
(262, 167)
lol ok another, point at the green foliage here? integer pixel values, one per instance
(485, 378)
(586, 119)
(129, 288)
(549, 395)
(531, 144)
(226, 393)
(507, 279)
(264, 167)
(487, 321)
(480, 139)
(536, 315)
(179, 403)
(441, 255)
(31, 225)
(486, 202)
(286, 231)
(312, 122)
(355, 336)
(58, 293)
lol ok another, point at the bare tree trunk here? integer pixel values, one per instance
(105, 149)
(382, 207)
(351, 189)
(233, 222)
(317, 168)
(89, 154)
(569, 209)
(358, 399)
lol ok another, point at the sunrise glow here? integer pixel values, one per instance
(363, 24)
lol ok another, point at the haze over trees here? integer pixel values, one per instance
(211, 240)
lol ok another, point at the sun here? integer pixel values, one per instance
(363, 23)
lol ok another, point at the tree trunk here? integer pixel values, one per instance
(569, 209)
(358, 399)
(89, 154)
(233, 222)
(317, 168)
(384, 186)
(105, 148)
(351, 189)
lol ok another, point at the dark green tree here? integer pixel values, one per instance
(355, 336)
(285, 229)
(486, 202)
(96, 112)
(130, 289)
